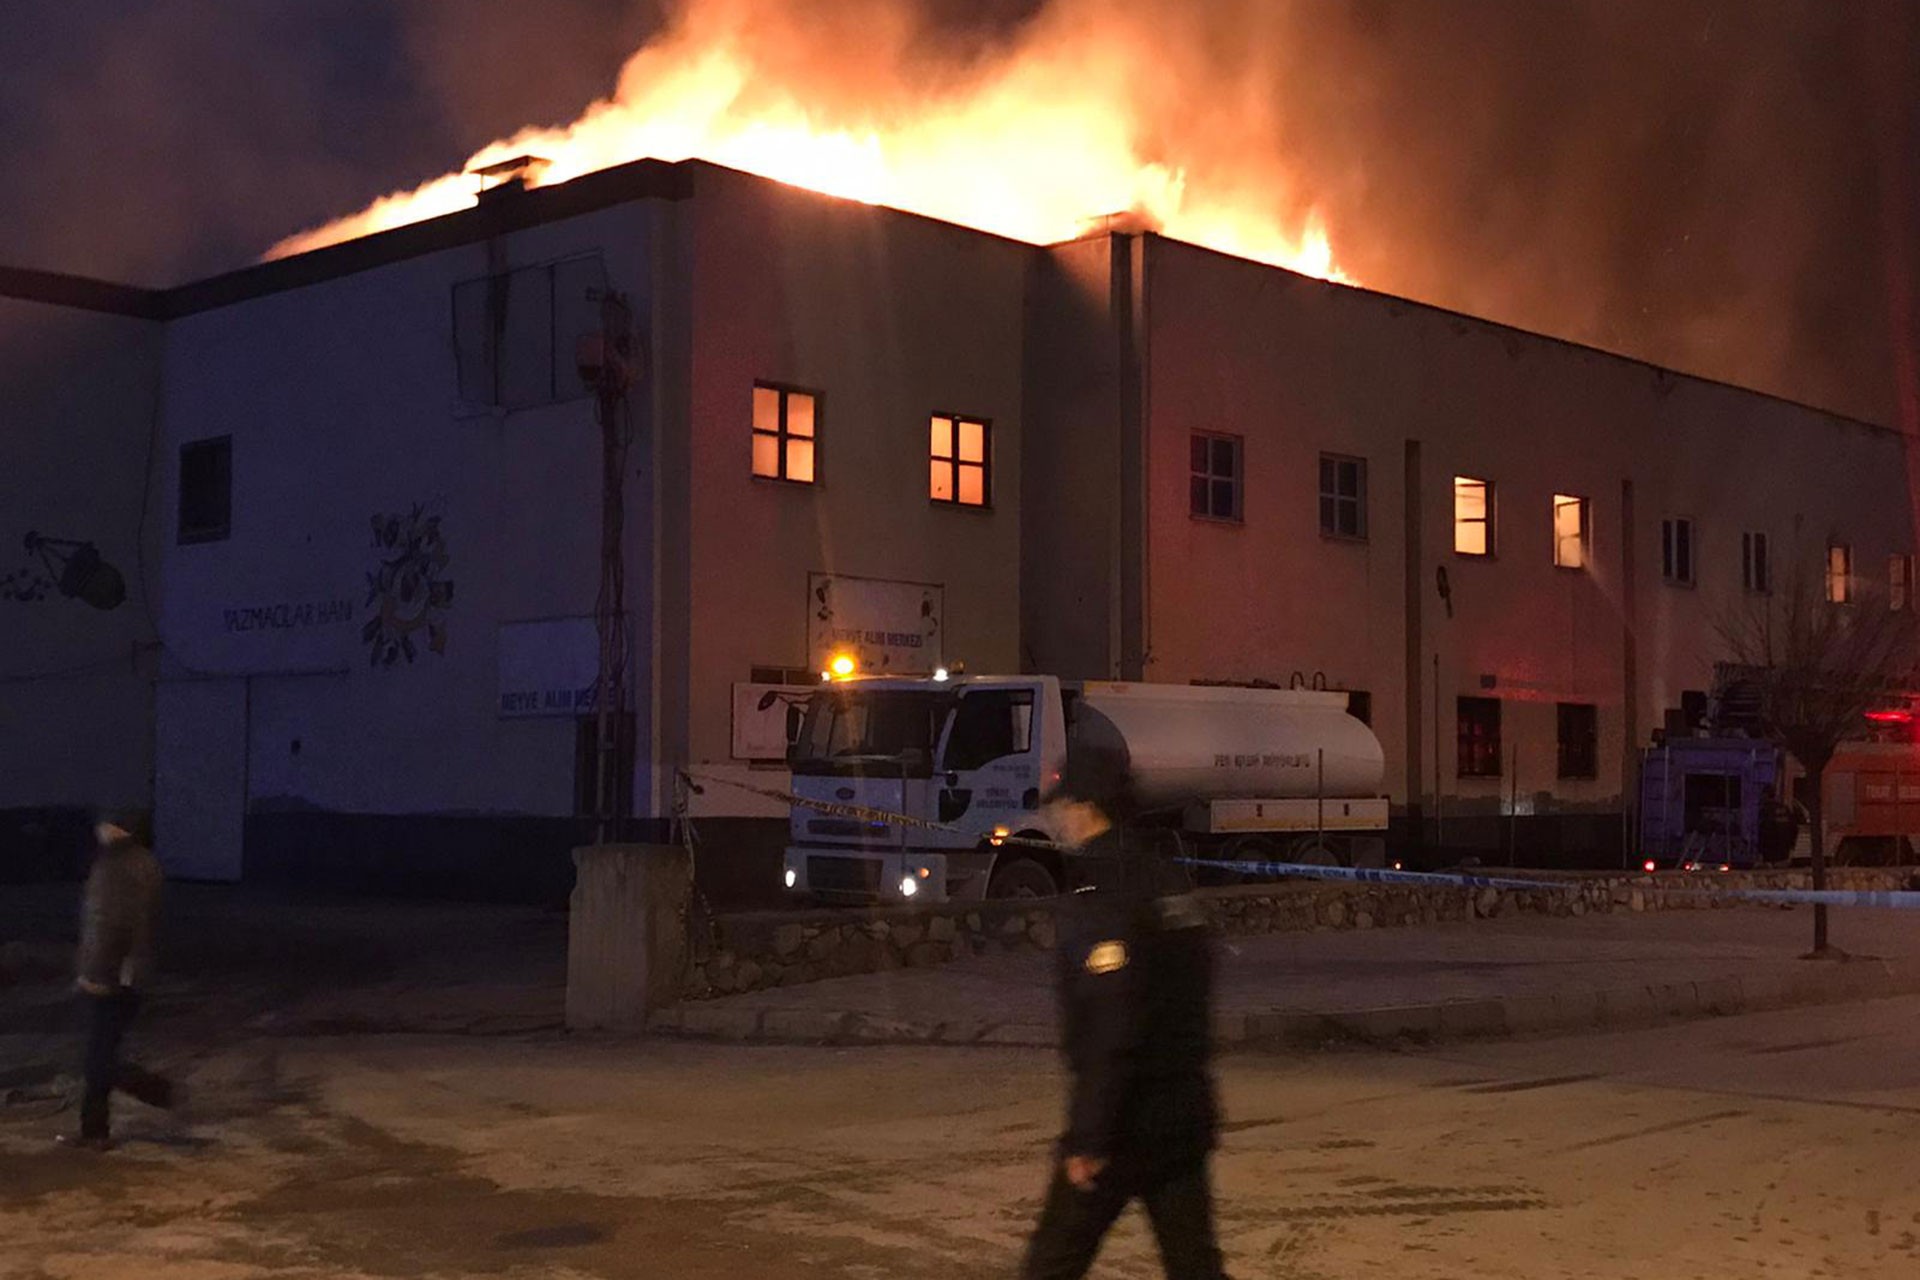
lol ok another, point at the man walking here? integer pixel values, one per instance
(119, 916)
(1135, 973)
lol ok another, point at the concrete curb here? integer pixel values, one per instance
(1617, 1007)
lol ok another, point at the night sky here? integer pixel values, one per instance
(1731, 187)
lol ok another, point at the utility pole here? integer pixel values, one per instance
(608, 367)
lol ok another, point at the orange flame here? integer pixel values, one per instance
(1034, 143)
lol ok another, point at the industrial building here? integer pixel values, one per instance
(354, 497)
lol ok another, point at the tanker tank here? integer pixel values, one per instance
(1189, 743)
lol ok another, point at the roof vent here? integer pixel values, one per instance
(509, 177)
(1131, 222)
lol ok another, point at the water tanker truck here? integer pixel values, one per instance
(929, 789)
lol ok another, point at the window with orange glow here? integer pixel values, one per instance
(1570, 531)
(1839, 573)
(960, 463)
(1472, 516)
(786, 433)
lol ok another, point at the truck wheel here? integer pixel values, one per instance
(1022, 878)
(1247, 849)
(1315, 851)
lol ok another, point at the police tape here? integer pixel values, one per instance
(1888, 899)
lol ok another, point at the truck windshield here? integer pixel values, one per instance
(855, 729)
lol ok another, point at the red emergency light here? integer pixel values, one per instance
(1890, 717)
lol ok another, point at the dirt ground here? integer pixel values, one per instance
(1776, 1145)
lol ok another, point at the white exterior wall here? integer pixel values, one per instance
(76, 418)
(341, 399)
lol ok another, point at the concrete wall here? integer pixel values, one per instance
(342, 402)
(1298, 368)
(890, 318)
(77, 392)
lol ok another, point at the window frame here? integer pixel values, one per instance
(1583, 537)
(778, 673)
(1488, 521)
(208, 532)
(1669, 551)
(1462, 756)
(1756, 563)
(1015, 700)
(954, 462)
(1332, 500)
(1238, 479)
(1586, 767)
(782, 436)
(1899, 581)
(563, 382)
(1846, 577)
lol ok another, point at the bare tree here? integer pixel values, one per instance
(1818, 666)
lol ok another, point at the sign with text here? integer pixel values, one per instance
(286, 615)
(548, 668)
(887, 628)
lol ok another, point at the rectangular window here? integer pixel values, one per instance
(1676, 551)
(989, 725)
(515, 332)
(1477, 740)
(1472, 516)
(206, 490)
(1570, 531)
(1839, 573)
(1579, 740)
(962, 461)
(1756, 569)
(1899, 581)
(782, 675)
(786, 433)
(1214, 487)
(1343, 496)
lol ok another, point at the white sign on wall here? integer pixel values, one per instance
(760, 732)
(548, 668)
(888, 628)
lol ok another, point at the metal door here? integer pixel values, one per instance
(200, 777)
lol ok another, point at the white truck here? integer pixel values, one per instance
(1233, 773)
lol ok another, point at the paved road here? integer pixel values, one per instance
(1775, 1145)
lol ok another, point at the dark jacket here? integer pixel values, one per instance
(119, 916)
(1136, 977)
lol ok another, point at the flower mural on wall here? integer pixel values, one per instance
(409, 591)
(70, 567)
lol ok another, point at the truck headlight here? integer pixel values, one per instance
(793, 877)
(908, 886)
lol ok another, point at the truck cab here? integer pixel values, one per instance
(911, 783)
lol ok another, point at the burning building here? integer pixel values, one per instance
(372, 474)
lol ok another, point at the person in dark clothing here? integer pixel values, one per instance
(1135, 971)
(119, 916)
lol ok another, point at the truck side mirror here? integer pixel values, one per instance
(794, 721)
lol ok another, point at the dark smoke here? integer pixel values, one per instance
(1725, 186)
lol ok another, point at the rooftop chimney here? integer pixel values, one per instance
(509, 177)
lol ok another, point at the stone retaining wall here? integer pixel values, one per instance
(772, 949)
